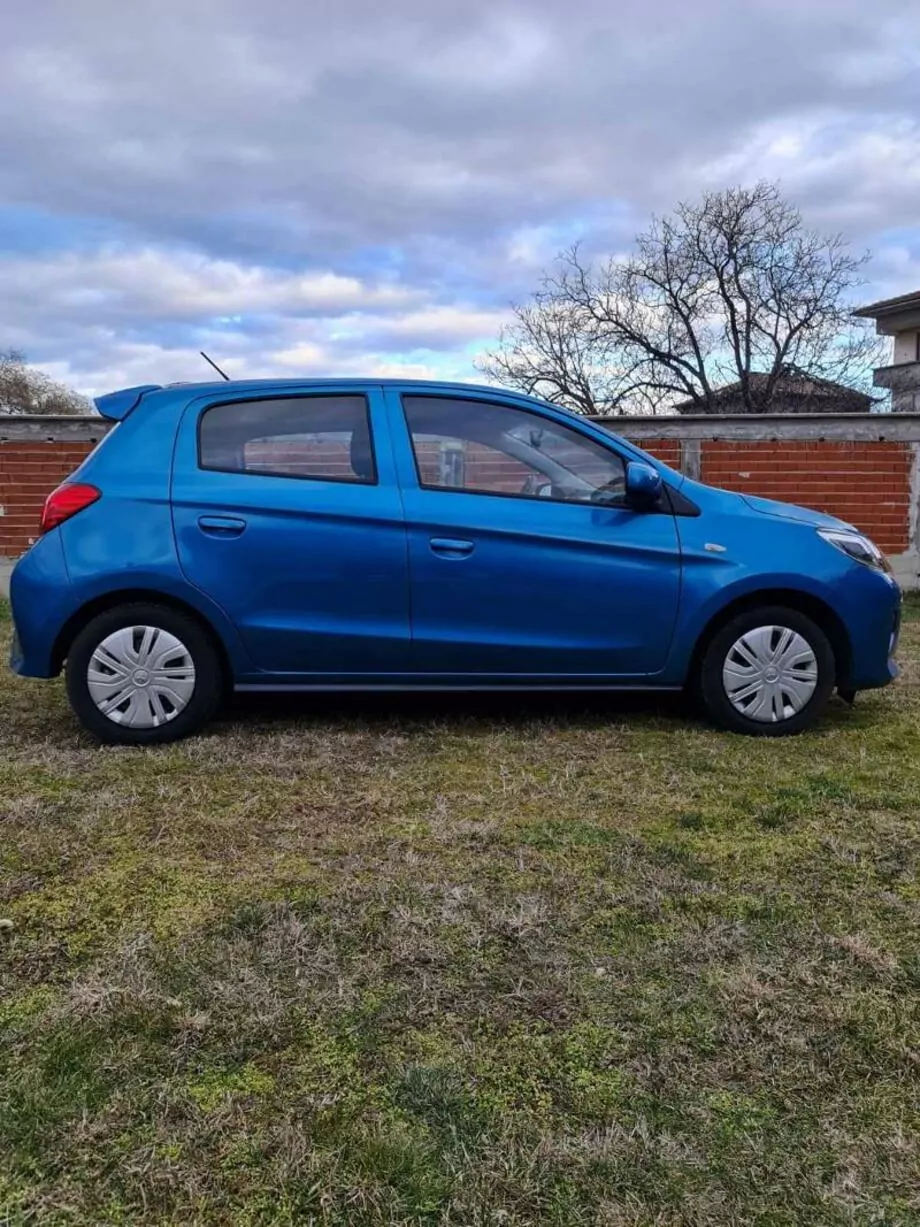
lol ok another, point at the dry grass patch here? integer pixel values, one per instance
(518, 962)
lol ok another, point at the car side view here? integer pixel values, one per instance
(338, 535)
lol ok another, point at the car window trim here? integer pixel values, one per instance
(527, 498)
(294, 396)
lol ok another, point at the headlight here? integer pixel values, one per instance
(857, 547)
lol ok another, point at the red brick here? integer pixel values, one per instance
(866, 483)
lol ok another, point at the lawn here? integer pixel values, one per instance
(393, 962)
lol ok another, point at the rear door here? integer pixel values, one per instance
(525, 560)
(287, 513)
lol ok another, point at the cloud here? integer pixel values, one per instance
(128, 364)
(150, 312)
(432, 327)
(378, 181)
(153, 284)
(846, 171)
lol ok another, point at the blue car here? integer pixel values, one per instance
(382, 535)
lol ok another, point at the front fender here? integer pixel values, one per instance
(707, 598)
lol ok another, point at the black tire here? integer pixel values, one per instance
(208, 681)
(712, 692)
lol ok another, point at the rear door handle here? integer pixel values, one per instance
(221, 526)
(451, 547)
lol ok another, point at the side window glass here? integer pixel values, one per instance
(487, 448)
(326, 438)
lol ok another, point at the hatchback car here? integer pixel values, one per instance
(394, 536)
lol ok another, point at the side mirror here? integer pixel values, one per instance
(643, 485)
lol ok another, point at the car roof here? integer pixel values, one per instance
(353, 381)
(118, 404)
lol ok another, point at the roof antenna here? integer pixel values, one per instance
(222, 374)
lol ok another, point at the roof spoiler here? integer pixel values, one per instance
(117, 405)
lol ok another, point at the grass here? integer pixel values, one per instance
(527, 962)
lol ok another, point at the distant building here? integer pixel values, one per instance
(899, 318)
(795, 392)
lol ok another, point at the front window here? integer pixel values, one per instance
(486, 448)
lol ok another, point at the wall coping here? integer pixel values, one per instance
(843, 427)
(26, 428)
(765, 428)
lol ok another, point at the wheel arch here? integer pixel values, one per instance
(133, 596)
(820, 612)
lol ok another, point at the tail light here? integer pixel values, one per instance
(65, 502)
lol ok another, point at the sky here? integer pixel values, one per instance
(350, 187)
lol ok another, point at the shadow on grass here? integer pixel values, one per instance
(669, 709)
(462, 707)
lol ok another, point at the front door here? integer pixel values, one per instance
(525, 560)
(288, 514)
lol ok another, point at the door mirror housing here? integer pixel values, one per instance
(643, 485)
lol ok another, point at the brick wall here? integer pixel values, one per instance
(863, 468)
(665, 450)
(28, 472)
(865, 483)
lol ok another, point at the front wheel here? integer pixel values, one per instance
(143, 674)
(768, 672)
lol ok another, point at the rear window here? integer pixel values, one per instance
(325, 438)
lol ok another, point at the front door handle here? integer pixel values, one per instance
(221, 526)
(451, 547)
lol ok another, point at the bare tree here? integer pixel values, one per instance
(554, 351)
(732, 289)
(24, 390)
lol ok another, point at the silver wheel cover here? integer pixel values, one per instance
(141, 677)
(770, 674)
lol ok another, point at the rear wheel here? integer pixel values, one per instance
(768, 672)
(143, 674)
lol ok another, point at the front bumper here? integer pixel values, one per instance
(870, 606)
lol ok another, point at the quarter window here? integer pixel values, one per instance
(486, 448)
(327, 438)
